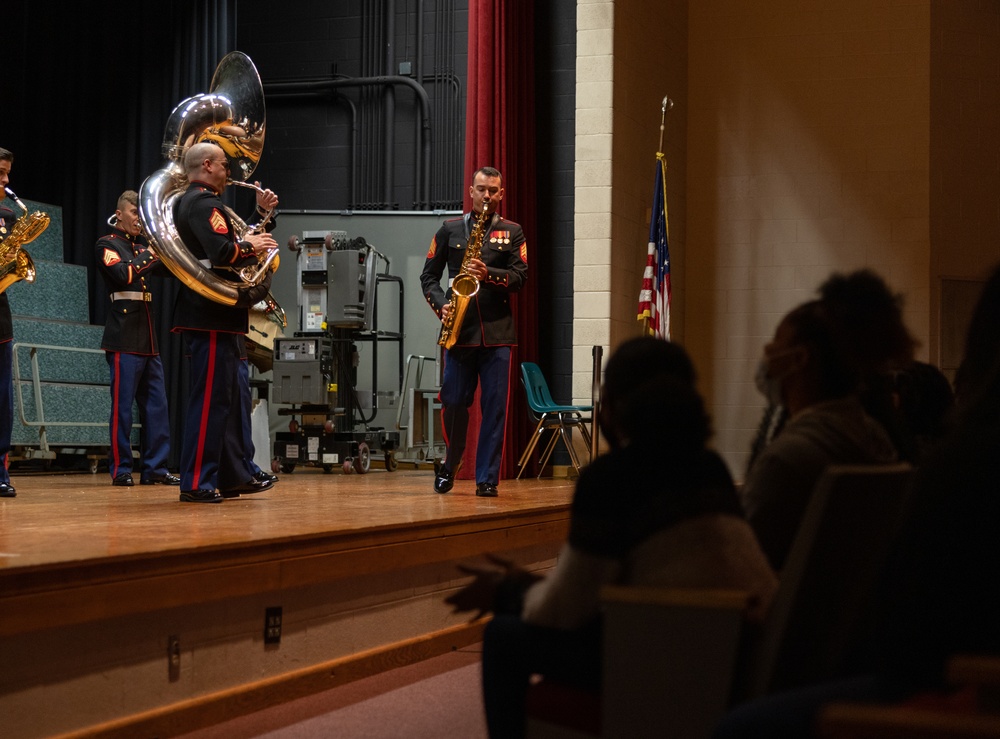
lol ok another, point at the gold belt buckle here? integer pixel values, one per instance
(147, 297)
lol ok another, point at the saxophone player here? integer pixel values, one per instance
(7, 218)
(482, 351)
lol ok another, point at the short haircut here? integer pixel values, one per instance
(198, 153)
(489, 172)
(128, 197)
(649, 393)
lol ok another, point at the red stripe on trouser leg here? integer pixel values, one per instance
(205, 406)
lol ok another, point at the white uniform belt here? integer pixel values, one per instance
(132, 295)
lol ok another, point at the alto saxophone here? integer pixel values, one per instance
(15, 263)
(464, 287)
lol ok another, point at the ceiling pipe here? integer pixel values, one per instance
(422, 183)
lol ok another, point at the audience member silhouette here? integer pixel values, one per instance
(824, 355)
(659, 508)
(925, 403)
(935, 598)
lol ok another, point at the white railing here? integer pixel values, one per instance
(36, 380)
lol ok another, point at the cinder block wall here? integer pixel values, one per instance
(807, 139)
(623, 73)
(808, 154)
(964, 158)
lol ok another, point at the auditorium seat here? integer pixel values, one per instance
(672, 661)
(669, 658)
(972, 709)
(864, 721)
(822, 608)
(981, 672)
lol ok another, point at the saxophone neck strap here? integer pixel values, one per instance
(487, 227)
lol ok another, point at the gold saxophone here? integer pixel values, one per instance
(465, 285)
(15, 263)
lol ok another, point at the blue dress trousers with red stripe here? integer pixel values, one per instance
(7, 218)
(213, 451)
(482, 353)
(130, 347)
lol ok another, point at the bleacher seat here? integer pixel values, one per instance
(61, 393)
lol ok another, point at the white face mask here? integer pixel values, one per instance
(768, 383)
(769, 387)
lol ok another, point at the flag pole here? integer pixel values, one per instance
(654, 296)
(648, 288)
(667, 105)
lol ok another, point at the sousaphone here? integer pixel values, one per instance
(232, 115)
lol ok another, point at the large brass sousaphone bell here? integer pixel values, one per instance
(232, 115)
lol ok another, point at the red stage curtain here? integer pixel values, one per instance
(500, 132)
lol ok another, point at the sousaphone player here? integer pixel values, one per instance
(224, 265)
(213, 457)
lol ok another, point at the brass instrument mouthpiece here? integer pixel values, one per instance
(16, 199)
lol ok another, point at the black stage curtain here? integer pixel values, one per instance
(88, 90)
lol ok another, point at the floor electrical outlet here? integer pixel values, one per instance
(272, 625)
(174, 658)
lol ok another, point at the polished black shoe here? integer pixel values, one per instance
(251, 486)
(262, 475)
(444, 479)
(7, 490)
(123, 479)
(166, 479)
(200, 496)
(486, 490)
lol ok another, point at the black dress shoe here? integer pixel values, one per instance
(7, 490)
(251, 486)
(444, 480)
(123, 479)
(486, 490)
(262, 475)
(166, 479)
(200, 496)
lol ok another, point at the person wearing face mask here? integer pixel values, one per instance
(129, 344)
(816, 368)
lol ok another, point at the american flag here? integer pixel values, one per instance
(654, 298)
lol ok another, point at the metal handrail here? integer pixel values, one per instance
(421, 358)
(36, 380)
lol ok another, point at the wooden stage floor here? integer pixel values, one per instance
(64, 531)
(64, 518)
(94, 578)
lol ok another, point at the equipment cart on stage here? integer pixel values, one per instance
(316, 370)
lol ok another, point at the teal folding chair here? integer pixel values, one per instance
(560, 419)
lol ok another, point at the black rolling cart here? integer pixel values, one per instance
(316, 371)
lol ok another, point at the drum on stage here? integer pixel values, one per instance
(260, 339)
